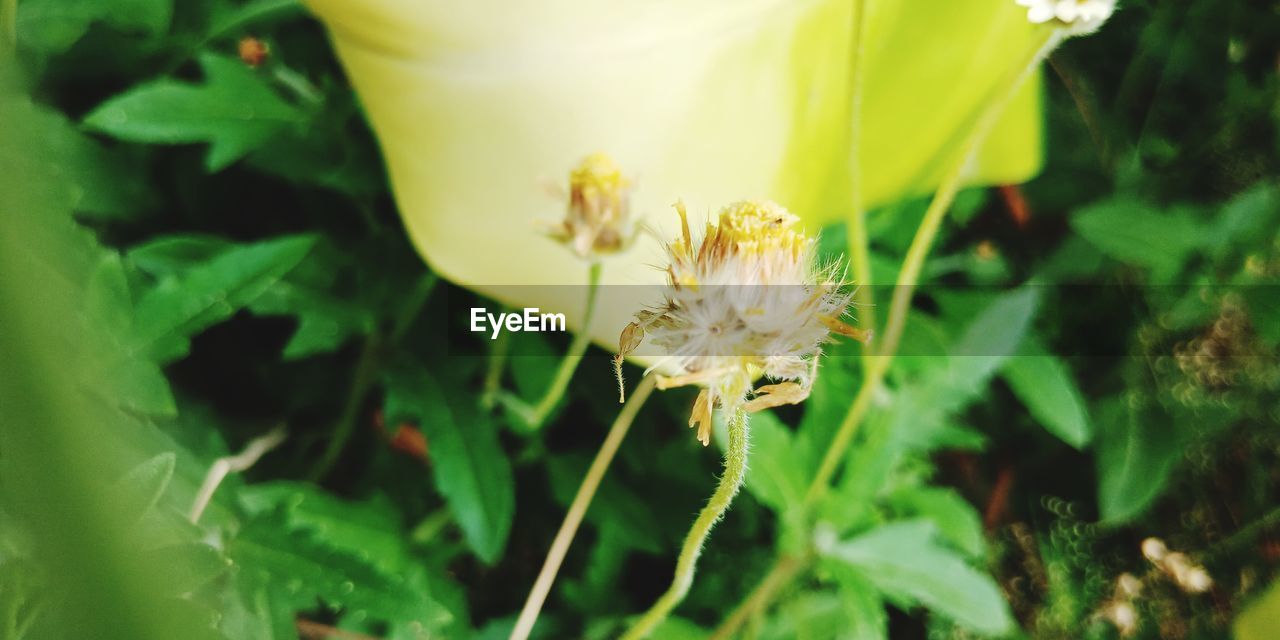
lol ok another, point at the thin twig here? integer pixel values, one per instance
(578, 509)
(234, 464)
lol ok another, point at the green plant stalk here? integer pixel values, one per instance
(493, 375)
(735, 470)
(859, 242)
(913, 263)
(877, 366)
(578, 509)
(573, 358)
(367, 366)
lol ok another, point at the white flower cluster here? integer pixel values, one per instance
(1076, 16)
(746, 300)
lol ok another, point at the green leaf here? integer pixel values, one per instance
(468, 463)
(188, 566)
(955, 517)
(172, 255)
(777, 474)
(115, 372)
(325, 322)
(1137, 233)
(95, 181)
(1045, 385)
(235, 111)
(369, 528)
(865, 617)
(253, 12)
(1135, 457)
(138, 491)
(179, 307)
(813, 614)
(53, 26)
(902, 560)
(22, 602)
(302, 570)
(1245, 217)
(993, 336)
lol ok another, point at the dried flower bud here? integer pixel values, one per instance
(598, 217)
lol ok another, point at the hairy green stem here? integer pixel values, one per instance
(735, 470)
(578, 509)
(571, 359)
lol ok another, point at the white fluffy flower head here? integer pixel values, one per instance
(1077, 17)
(748, 299)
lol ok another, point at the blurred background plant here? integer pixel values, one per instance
(237, 270)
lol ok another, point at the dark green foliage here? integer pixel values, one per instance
(196, 250)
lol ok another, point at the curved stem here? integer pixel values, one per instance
(578, 510)
(735, 469)
(571, 359)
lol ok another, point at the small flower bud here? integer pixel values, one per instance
(598, 217)
(253, 51)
